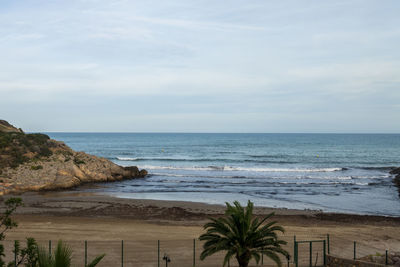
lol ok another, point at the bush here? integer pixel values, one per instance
(61, 257)
(7, 223)
(78, 161)
(37, 167)
(45, 152)
(27, 256)
(14, 146)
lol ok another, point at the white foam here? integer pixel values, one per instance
(127, 159)
(229, 168)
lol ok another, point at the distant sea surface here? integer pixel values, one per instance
(332, 172)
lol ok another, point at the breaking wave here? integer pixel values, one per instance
(250, 169)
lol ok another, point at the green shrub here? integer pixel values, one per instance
(61, 257)
(7, 222)
(45, 152)
(27, 256)
(78, 161)
(38, 138)
(13, 147)
(37, 167)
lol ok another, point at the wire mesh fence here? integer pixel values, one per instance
(378, 251)
(186, 252)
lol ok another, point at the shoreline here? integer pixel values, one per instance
(281, 210)
(86, 204)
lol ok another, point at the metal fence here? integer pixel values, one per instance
(377, 250)
(186, 252)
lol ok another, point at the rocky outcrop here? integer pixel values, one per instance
(396, 179)
(395, 171)
(59, 167)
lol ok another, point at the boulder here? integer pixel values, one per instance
(131, 171)
(143, 173)
(396, 179)
(395, 171)
(395, 259)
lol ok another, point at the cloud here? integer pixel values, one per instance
(285, 64)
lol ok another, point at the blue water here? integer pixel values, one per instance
(331, 172)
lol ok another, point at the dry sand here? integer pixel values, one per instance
(104, 221)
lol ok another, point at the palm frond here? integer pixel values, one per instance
(44, 258)
(273, 256)
(96, 260)
(62, 255)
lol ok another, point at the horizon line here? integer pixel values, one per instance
(156, 132)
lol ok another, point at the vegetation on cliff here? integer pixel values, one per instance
(17, 148)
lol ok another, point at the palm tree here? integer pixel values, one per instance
(61, 258)
(243, 235)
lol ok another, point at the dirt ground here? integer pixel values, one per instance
(105, 221)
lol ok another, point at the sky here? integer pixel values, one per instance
(201, 66)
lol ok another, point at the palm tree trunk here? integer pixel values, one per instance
(243, 259)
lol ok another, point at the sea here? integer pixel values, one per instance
(347, 173)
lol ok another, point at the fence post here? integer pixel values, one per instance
(329, 243)
(294, 248)
(15, 253)
(296, 260)
(49, 247)
(355, 244)
(122, 253)
(194, 252)
(310, 254)
(386, 258)
(325, 252)
(262, 256)
(85, 253)
(158, 253)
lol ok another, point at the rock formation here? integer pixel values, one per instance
(32, 162)
(395, 171)
(396, 179)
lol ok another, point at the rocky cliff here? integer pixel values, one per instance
(32, 162)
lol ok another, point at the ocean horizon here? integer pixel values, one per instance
(336, 172)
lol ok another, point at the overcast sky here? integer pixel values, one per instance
(200, 66)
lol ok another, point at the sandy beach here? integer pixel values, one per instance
(104, 221)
